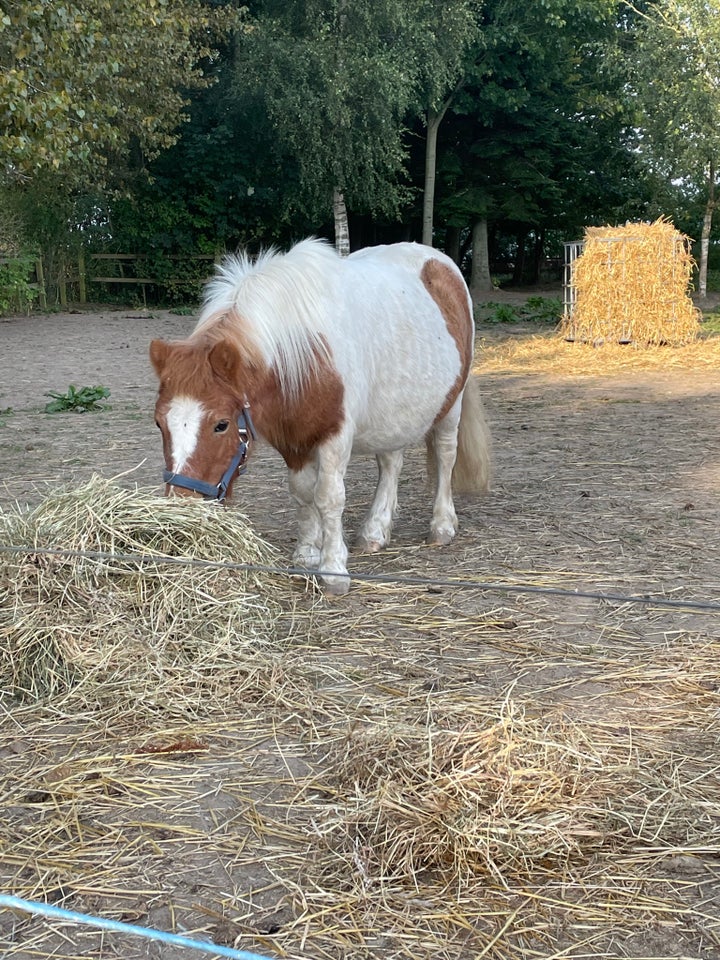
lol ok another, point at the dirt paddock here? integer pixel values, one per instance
(607, 472)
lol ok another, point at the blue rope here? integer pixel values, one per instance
(31, 906)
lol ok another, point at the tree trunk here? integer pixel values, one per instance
(705, 236)
(452, 243)
(342, 230)
(433, 125)
(519, 269)
(480, 280)
(434, 119)
(538, 252)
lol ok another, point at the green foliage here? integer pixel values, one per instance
(228, 182)
(310, 95)
(82, 400)
(535, 137)
(84, 82)
(543, 309)
(713, 280)
(336, 80)
(178, 280)
(4, 414)
(534, 310)
(51, 220)
(672, 56)
(16, 289)
(501, 313)
(711, 323)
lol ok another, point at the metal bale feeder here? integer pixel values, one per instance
(630, 284)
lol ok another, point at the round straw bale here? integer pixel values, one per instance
(109, 616)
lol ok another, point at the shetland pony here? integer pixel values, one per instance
(324, 357)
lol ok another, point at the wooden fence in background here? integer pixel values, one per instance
(106, 268)
(112, 268)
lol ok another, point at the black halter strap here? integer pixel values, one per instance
(246, 433)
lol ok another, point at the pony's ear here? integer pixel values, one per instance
(225, 361)
(159, 353)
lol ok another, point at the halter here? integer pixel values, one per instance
(246, 432)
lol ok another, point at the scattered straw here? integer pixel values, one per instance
(425, 774)
(630, 284)
(552, 354)
(506, 798)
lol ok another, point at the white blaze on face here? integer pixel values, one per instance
(183, 421)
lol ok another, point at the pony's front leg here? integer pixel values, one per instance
(302, 485)
(375, 531)
(333, 459)
(444, 440)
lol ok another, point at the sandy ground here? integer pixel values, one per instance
(605, 483)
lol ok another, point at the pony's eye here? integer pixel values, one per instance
(222, 426)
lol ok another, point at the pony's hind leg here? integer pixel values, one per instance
(309, 528)
(442, 444)
(375, 531)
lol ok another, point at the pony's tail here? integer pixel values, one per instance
(473, 466)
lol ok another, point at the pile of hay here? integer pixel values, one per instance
(509, 800)
(166, 635)
(630, 285)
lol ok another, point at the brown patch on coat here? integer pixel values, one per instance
(297, 426)
(450, 294)
(216, 373)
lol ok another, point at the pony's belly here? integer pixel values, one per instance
(395, 433)
(399, 409)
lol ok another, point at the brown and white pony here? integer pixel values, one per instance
(324, 357)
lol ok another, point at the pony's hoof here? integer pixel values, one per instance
(336, 586)
(440, 538)
(363, 545)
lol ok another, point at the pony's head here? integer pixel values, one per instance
(203, 415)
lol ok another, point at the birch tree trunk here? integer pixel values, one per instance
(705, 236)
(480, 280)
(342, 229)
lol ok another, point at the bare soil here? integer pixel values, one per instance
(606, 483)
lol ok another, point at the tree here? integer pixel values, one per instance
(84, 83)
(673, 68)
(226, 182)
(445, 43)
(336, 83)
(522, 134)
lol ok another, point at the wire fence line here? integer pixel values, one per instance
(153, 559)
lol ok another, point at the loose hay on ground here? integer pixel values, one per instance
(164, 635)
(369, 817)
(505, 798)
(552, 354)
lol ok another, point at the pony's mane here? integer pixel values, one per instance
(277, 306)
